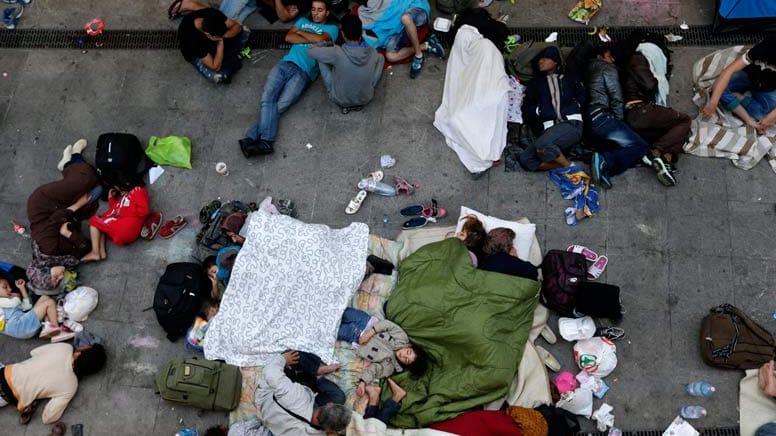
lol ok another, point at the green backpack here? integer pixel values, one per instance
(204, 384)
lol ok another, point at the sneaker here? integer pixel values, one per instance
(62, 336)
(252, 147)
(73, 326)
(611, 333)
(598, 165)
(245, 53)
(664, 175)
(512, 42)
(435, 47)
(646, 160)
(66, 155)
(48, 330)
(417, 65)
(61, 310)
(12, 2)
(11, 16)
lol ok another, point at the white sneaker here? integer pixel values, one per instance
(62, 336)
(73, 326)
(48, 330)
(79, 146)
(66, 155)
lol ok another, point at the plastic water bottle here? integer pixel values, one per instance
(693, 412)
(700, 389)
(370, 185)
(187, 432)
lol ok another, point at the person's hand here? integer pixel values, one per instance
(360, 389)
(292, 357)
(765, 124)
(113, 192)
(767, 380)
(366, 336)
(708, 110)
(64, 230)
(20, 283)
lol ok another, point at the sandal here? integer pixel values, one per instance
(151, 225)
(27, 413)
(428, 211)
(206, 213)
(170, 228)
(355, 203)
(417, 222)
(581, 249)
(403, 186)
(377, 176)
(174, 11)
(597, 268)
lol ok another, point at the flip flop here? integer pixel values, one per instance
(174, 11)
(581, 249)
(417, 222)
(151, 225)
(377, 176)
(403, 186)
(170, 228)
(427, 211)
(597, 268)
(355, 203)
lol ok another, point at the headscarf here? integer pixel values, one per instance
(234, 222)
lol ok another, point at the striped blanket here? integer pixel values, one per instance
(724, 135)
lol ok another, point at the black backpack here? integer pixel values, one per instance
(179, 296)
(120, 159)
(211, 236)
(562, 276)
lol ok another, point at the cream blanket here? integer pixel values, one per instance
(755, 408)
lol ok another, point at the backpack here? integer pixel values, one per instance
(211, 236)
(732, 340)
(204, 384)
(179, 296)
(563, 273)
(120, 158)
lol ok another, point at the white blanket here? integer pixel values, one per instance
(473, 114)
(290, 284)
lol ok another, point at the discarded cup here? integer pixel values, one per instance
(222, 169)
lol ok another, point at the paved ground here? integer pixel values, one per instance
(674, 252)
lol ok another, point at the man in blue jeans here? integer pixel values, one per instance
(605, 112)
(288, 80)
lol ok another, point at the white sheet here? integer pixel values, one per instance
(290, 284)
(473, 113)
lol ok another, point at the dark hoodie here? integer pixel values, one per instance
(355, 71)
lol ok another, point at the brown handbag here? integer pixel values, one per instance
(732, 340)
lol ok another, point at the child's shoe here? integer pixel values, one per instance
(62, 336)
(416, 67)
(73, 326)
(48, 330)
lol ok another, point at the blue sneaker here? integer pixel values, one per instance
(11, 16)
(599, 177)
(417, 65)
(13, 2)
(435, 47)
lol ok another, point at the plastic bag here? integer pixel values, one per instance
(597, 356)
(80, 302)
(584, 10)
(170, 150)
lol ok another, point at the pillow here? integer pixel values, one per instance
(524, 233)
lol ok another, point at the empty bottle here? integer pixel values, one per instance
(693, 412)
(371, 185)
(700, 389)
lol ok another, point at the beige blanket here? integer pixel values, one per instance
(755, 408)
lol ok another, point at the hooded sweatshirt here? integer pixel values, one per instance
(355, 71)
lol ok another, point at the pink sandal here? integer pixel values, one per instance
(589, 254)
(403, 186)
(597, 268)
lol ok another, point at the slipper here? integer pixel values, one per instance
(581, 249)
(377, 176)
(355, 203)
(206, 213)
(597, 268)
(172, 227)
(548, 334)
(403, 186)
(174, 11)
(26, 415)
(151, 225)
(417, 222)
(571, 216)
(427, 211)
(547, 358)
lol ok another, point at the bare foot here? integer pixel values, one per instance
(398, 392)
(92, 257)
(373, 393)
(328, 369)
(103, 254)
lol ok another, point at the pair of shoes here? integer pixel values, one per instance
(170, 228)
(11, 16)
(547, 358)
(252, 147)
(151, 226)
(435, 47)
(598, 171)
(417, 65)
(598, 262)
(611, 333)
(427, 211)
(664, 174)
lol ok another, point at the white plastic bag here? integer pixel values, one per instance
(578, 402)
(575, 329)
(80, 302)
(597, 356)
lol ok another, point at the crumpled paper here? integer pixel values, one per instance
(603, 417)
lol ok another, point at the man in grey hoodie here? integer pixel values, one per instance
(351, 71)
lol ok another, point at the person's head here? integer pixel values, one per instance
(500, 240)
(5, 288)
(472, 234)
(333, 417)
(208, 309)
(319, 12)
(548, 60)
(232, 225)
(604, 53)
(213, 23)
(413, 358)
(88, 360)
(217, 430)
(351, 28)
(209, 266)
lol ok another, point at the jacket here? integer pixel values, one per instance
(640, 83)
(381, 351)
(604, 91)
(537, 104)
(355, 71)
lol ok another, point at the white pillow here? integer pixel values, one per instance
(524, 233)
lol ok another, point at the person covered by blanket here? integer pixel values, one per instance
(501, 256)
(211, 42)
(552, 107)
(53, 371)
(288, 80)
(195, 336)
(383, 344)
(747, 87)
(21, 319)
(350, 72)
(128, 207)
(605, 122)
(295, 398)
(473, 236)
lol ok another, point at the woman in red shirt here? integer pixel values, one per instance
(128, 206)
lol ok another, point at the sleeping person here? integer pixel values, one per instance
(501, 255)
(473, 236)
